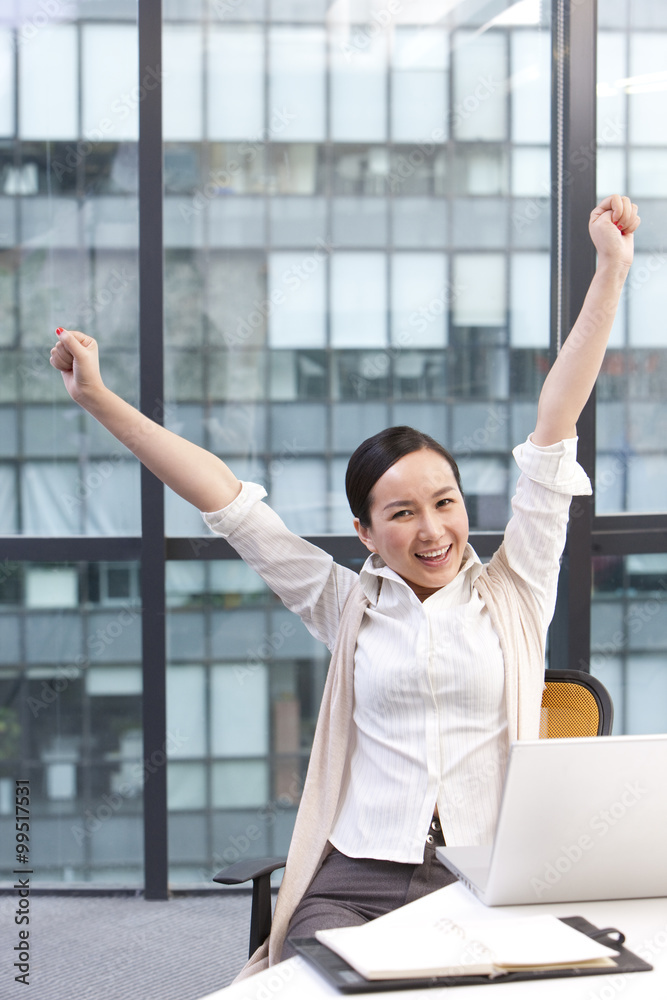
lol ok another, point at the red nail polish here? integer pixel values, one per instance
(619, 226)
(59, 331)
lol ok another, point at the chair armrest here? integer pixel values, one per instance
(243, 871)
(259, 870)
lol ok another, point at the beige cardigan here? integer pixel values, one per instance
(516, 620)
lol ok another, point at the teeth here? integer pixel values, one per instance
(433, 555)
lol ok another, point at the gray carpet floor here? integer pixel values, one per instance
(124, 948)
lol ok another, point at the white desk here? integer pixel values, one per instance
(643, 921)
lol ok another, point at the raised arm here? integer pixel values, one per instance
(572, 377)
(191, 471)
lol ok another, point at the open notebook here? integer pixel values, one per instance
(388, 955)
(444, 947)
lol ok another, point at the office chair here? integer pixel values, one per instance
(574, 703)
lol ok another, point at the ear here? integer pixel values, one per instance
(365, 535)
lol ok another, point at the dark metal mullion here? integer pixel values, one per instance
(390, 252)
(448, 147)
(73, 548)
(625, 303)
(578, 270)
(151, 268)
(630, 523)
(265, 447)
(16, 281)
(558, 653)
(326, 154)
(622, 543)
(206, 161)
(344, 548)
(574, 93)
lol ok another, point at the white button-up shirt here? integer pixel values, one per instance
(429, 717)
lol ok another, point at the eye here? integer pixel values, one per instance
(400, 513)
(444, 502)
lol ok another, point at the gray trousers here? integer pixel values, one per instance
(347, 891)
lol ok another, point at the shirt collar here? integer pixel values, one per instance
(375, 571)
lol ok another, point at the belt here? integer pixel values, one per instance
(435, 835)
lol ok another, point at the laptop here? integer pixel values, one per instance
(580, 819)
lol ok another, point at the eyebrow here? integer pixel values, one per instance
(410, 503)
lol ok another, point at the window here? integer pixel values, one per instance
(357, 233)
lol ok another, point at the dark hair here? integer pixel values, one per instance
(377, 454)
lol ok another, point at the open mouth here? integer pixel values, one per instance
(436, 556)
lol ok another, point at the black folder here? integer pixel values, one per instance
(347, 980)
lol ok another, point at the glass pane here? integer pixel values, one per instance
(347, 246)
(295, 306)
(110, 92)
(70, 722)
(480, 283)
(48, 84)
(645, 89)
(358, 89)
(629, 639)
(68, 221)
(6, 82)
(358, 300)
(529, 299)
(297, 83)
(479, 102)
(419, 84)
(244, 684)
(531, 97)
(182, 92)
(235, 67)
(420, 300)
(631, 454)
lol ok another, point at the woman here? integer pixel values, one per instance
(437, 660)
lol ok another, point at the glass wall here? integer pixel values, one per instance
(629, 625)
(70, 630)
(244, 683)
(70, 718)
(68, 242)
(629, 639)
(357, 215)
(632, 157)
(350, 243)
(357, 212)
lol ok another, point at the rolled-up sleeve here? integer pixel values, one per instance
(554, 466)
(304, 577)
(225, 521)
(535, 536)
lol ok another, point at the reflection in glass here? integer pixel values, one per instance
(243, 697)
(629, 639)
(366, 243)
(68, 211)
(361, 169)
(70, 690)
(295, 168)
(631, 394)
(309, 265)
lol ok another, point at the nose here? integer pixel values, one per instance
(429, 526)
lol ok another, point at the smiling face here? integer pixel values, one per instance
(419, 524)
